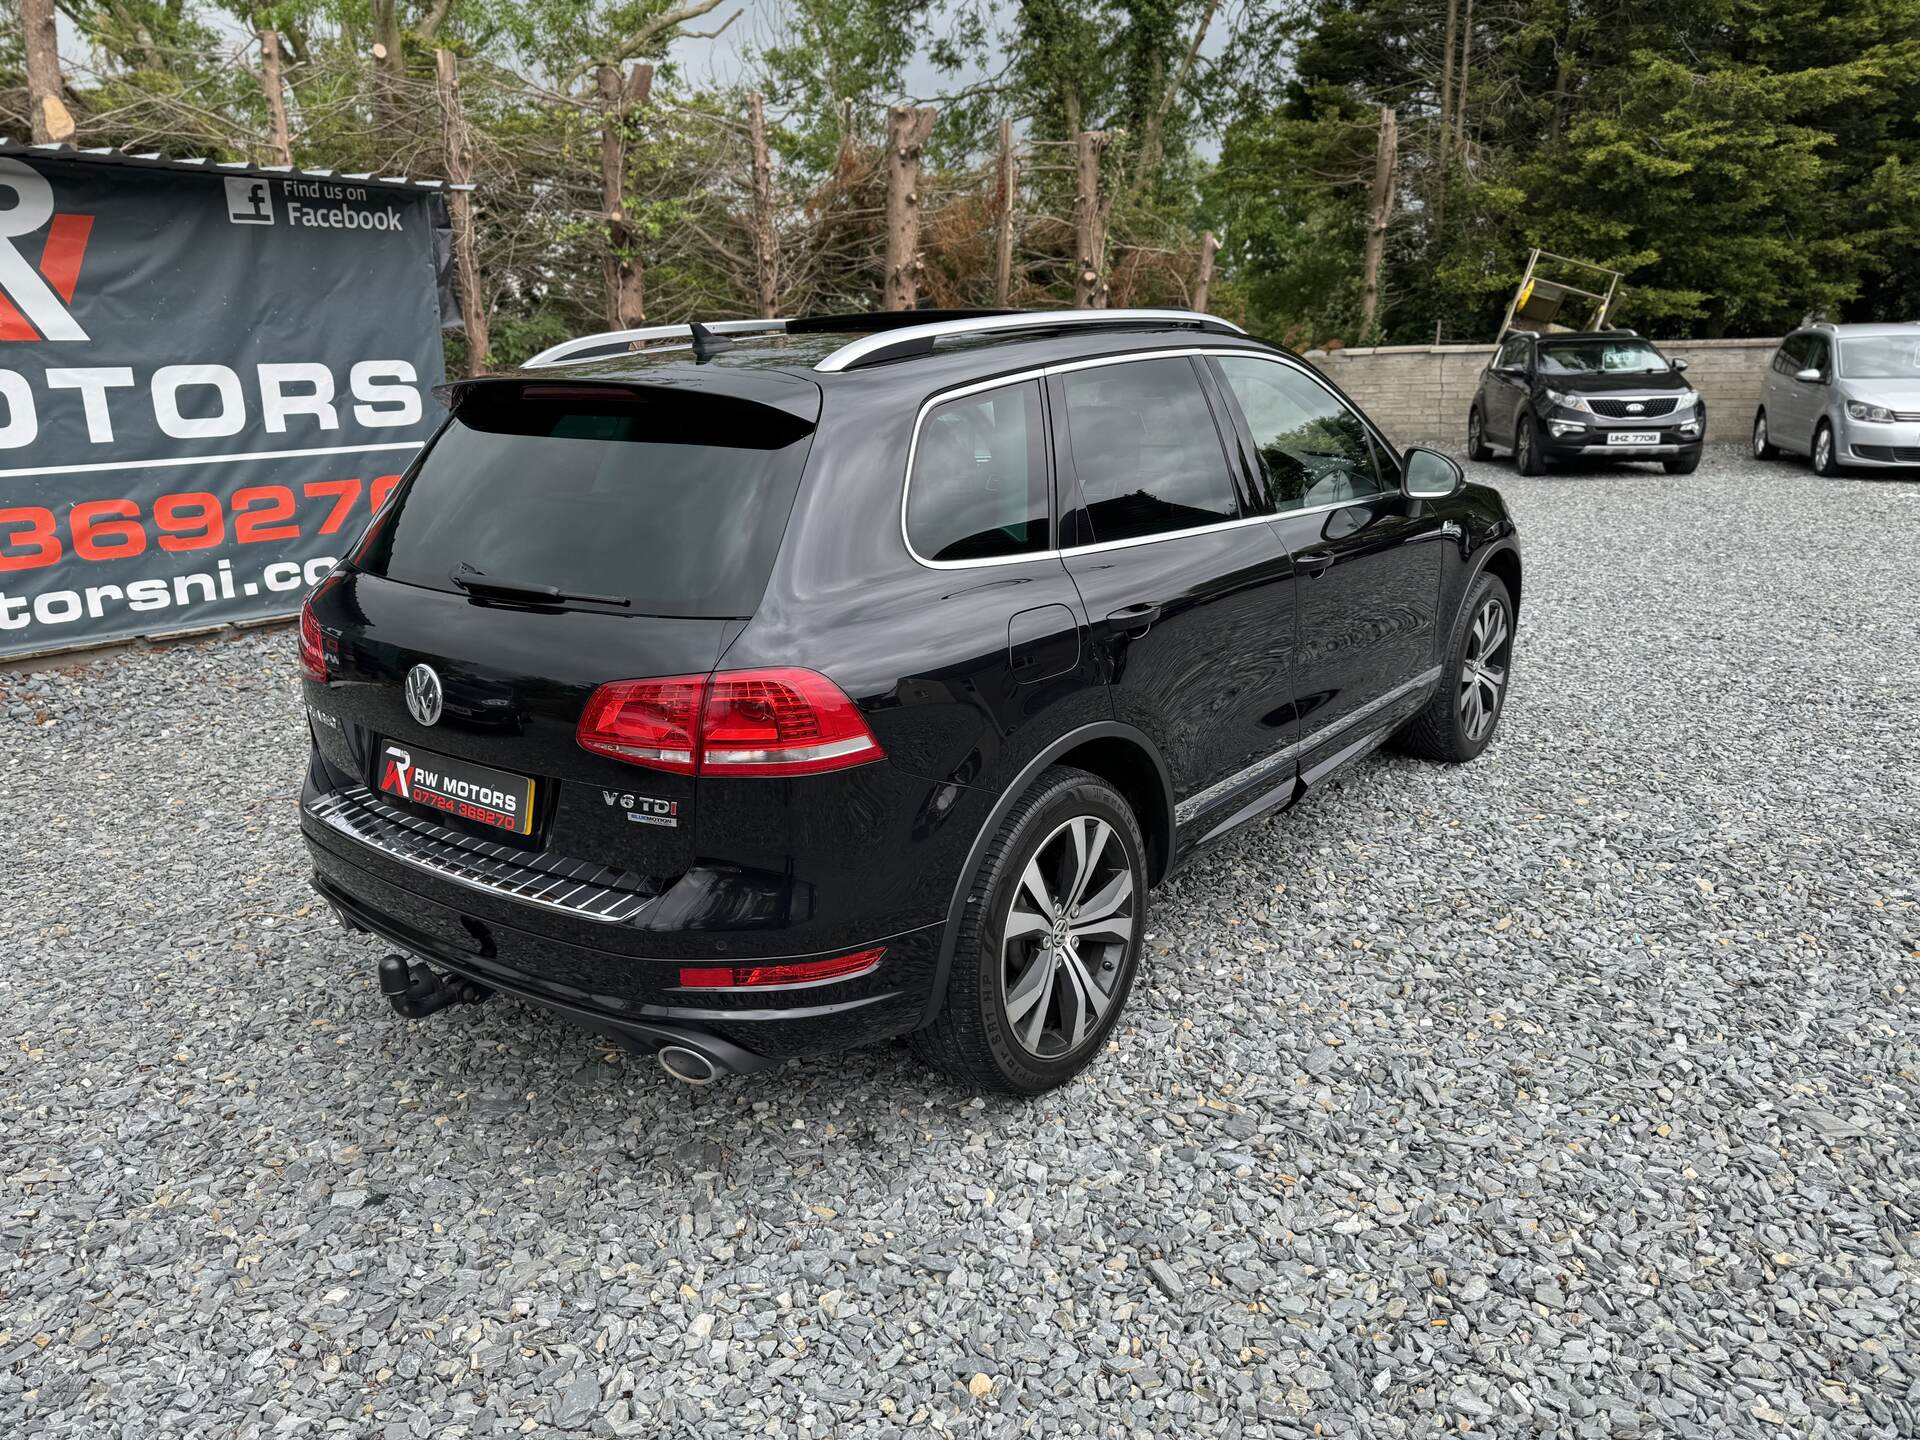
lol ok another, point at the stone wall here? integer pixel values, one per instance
(1419, 394)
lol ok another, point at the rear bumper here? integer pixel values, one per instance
(622, 977)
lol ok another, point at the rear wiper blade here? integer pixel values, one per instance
(476, 582)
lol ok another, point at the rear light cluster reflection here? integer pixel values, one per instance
(313, 655)
(801, 972)
(741, 722)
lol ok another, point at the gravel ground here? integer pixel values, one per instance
(1571, 1092)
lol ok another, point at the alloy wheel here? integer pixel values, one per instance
(1473, 433)
(1483, 673)
(1065, 939)
(1523, 447)
(1759, 435)
(1823, 450)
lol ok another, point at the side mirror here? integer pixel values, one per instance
(1428, 475)
(1679, 364)
(1809, 376)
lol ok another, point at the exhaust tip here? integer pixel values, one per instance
(686, 1065)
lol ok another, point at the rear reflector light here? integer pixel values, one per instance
(313, 655)
(801, 972)
(741, 722)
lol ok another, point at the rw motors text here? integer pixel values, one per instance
(202, 402)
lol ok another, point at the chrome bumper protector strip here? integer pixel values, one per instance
(584, 890)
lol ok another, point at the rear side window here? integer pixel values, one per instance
(672, 500)
(1145, 449)
(978, 490)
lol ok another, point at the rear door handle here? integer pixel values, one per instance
(1133, 618)
(1314, 562)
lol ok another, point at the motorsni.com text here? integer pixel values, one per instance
(53, 608)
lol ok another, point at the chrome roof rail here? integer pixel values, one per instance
(619, 342)
(917, 339)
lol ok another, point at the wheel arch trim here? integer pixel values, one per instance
(1505, 545)
(1009, 796)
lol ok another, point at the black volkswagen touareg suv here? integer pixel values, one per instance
(765, 688)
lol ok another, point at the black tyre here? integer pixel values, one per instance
(1682, 464)
(1050, 941)
(1763, 447)
(1527, 458)
(1459, 721)
(1477, 447)
(1825, 460)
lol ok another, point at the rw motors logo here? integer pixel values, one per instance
(34, 297)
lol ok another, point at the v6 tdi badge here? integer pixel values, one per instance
(644, 809)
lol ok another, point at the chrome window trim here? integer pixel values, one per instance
(1040, 372)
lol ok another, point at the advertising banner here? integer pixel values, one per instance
(208, 382)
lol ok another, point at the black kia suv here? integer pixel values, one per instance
(1603, 395)
(760, 689)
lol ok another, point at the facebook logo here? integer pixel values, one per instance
(249, 202)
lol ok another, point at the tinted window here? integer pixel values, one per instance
(675, 501)
(1817, 354)
(1513, 353)
(1313, 450)
(1145, 449)
(979, 484)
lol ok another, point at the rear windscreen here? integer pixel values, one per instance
(671, 500)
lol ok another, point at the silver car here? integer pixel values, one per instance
(1844, 395)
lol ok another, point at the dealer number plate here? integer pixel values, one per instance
(458, 787)
(1633, 437)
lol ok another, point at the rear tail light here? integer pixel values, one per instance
(647, 722)
(801, 972)
(741, 722)
(313, 654)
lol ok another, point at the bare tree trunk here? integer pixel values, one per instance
(390, 66)
(1153, 142)
(473, 308)
(766, 255)
(621, 270)
(1460, 101)
(908, 129)
(276, 97)
(1379, 212)
(1003, 224)
(1204, 281)
(1446, 115)
(51, 122)
(1090, 223)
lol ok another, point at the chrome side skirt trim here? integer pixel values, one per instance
(1198, 804)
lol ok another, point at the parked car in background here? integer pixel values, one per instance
(1842, 395)
(1606, 394)
(759, 694)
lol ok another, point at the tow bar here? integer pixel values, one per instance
(415, 991)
